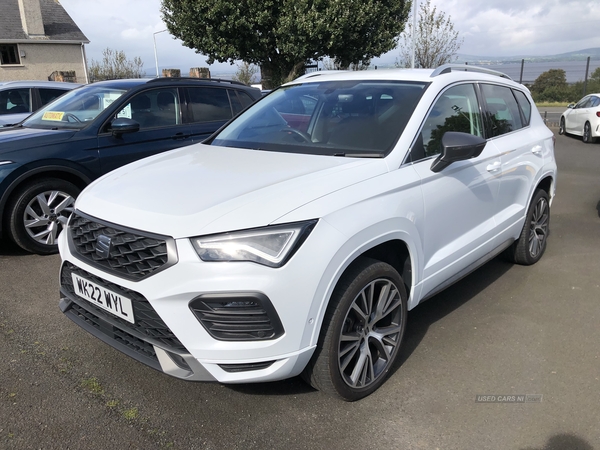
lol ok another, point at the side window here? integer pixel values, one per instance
(154, 108)
(455, 110)
(209, 104)
(15, 101)
(47, 95)
(524, 105)
(595, 102)
(502, 110)
(245, 99)
(581, 103)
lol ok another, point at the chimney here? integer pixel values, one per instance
(31, 18)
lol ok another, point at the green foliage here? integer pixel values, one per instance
(115, 65)
(436, 40)
(246, 73)
(551, 86)
(281, 36)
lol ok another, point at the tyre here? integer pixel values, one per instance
(561, 126)
(38, 212)
(587, 134)
(531, 244)
(362, 332)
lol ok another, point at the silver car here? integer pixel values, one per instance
(18, 99)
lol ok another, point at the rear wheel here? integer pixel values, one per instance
(362, 332)
(38, 212)
(561, 126)
(587, 134)
(531, 245)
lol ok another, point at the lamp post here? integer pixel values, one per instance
(155, 54)
(414, 30)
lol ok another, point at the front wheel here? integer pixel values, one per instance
(38, 212)
(561, 126)
(587, 134)
(362, 332)
(531, 245)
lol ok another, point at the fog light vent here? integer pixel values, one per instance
(234, 368)
(237, 317)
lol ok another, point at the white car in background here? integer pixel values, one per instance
(582, 119)
(18, 99)
(295, 240)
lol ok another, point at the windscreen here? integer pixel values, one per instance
(342, 118)
(75, 109)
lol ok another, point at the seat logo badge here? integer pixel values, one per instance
(103, 246)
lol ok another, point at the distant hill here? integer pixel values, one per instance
(578, 55)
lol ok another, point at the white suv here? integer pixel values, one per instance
(295, 240)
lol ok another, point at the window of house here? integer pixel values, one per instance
(9, 54)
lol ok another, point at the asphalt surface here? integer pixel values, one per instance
(504, 330)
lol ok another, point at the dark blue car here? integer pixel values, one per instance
(49, 158)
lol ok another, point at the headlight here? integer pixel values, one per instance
(271, 246)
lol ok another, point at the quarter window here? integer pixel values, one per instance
(455, 110)
(502, 114)
(524, 105)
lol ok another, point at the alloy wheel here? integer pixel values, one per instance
(371, 334)
(539, 227)
(46, 215)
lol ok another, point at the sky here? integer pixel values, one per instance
(487, 27)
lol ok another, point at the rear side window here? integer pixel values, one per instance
(524, 105)
(209, 104)
(47, 95)
(502, 114)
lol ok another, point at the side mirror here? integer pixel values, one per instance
(571, 105)
(457, 147)
(123, 125)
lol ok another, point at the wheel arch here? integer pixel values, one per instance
(397, 248)
(71, 175)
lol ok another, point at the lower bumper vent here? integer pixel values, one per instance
(237, 317)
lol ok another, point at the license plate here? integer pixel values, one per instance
(104, 298)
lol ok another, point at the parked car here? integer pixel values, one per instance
(18, 99)
(295, 240)
(51, 156)
(582, 119)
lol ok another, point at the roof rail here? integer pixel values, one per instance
(447, 68)
(216, 80)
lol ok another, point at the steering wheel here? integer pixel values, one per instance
(293, 131)
(72, 116)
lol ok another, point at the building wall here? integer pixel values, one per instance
(43, 59)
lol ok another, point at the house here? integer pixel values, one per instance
(40, 41)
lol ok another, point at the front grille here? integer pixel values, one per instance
(148, 329)
(132, 254)
(237, 317)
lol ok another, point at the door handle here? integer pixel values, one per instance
(494, 167)
(537, 150)
(180, 136)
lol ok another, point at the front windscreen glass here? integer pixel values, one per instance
(343, 118)
(75, 109)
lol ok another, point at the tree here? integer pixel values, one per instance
(436, 40)
(551, 86)
(245, 73)
(281, 36)
(115, 65)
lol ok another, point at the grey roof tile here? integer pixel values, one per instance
(58, 25)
